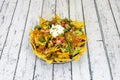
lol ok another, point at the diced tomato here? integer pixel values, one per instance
(60, 38)
(63, 25)
(54, 41)
(58, 42)
(77, 40)
(36, 32)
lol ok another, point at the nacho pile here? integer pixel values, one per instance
(58, 40)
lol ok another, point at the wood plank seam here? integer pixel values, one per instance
(55, 6)
(59, 15)
(22, 40)
(41, 65)
(42, 7)
(114, 18)
(69, 19)
(36, 56)
(102, 35)
(89, 63)
(53, 71)
(26, 63)
(63, 70)
(8, 29)
(54, 63)
(69, 9)
(34, 68)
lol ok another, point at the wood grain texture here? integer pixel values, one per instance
(11, 50)
(43, 71)
(110, 37)
(80, 69)
(1, 4)
(26, 63)
(62, 71)
(4, 5)
(6, 17)
(99, 65)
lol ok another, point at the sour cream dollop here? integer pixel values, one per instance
(56, 30)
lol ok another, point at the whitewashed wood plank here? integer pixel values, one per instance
(5, 20)
(62, 8)
(48, 9)
(110, 36)
(115, 7)
(80, 69)
(99, 64)
(11, 50)
(43, 71)
(62, 71)
(26, 63)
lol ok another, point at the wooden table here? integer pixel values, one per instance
(102, 26)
